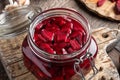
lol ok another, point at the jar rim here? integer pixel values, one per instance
(55, 56)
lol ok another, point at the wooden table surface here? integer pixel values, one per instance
(94, 21)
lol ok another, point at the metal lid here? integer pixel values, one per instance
(15, 22)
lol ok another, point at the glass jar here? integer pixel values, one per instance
(13, 27)
(72, 66)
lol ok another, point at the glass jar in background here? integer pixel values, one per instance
(13, 27)
(15, 20)
(73, 66)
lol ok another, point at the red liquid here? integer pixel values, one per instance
(64, 32)
(75, 39)
(48, 70)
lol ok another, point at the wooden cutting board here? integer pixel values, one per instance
(106, 10)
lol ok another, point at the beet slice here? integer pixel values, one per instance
(41, 38)
(38, 27)
(59, 50)
(80, 40)
(60, 36)
(52, 28)
(75, 45)
(70, 50)
(67, 28)
(100, 3)
(60, 21)
(46, 47)
(77, 26)
(61, 45)
(47, 34)
(75, 34)
(117, 7)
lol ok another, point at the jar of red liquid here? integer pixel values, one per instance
(59, 46)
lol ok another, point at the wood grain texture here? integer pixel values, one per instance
(106, 10)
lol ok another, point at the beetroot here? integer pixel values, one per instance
(70, 50)
(59, 35)
(60, 21)
(100, 2)
(52, 28)
(67, 28)
(75, 45)
(74, 34)
(38, 27)
(117, 7)
(40, 37)
(46, 47)
(47, 34)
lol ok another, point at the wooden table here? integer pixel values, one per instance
(13, 61)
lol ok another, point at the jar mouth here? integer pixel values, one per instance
(53, 12)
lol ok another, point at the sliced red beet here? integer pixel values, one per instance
(41, 38)
(47, 35)
(74, 44)
(46, 47)
(100, 3)
(59, 49)
(38, 37)
(117, 6)
(77, 26)
(70, 50)
(61, 45)
(75, 34)
(80, 38)
(52, 28)
(60, 21)
(38, 27)
(60, 36)
(67, 27)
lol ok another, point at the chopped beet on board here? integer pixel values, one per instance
(116, 8)
(59, 35)
(100, 2)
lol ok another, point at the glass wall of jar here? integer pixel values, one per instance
(53, 27)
